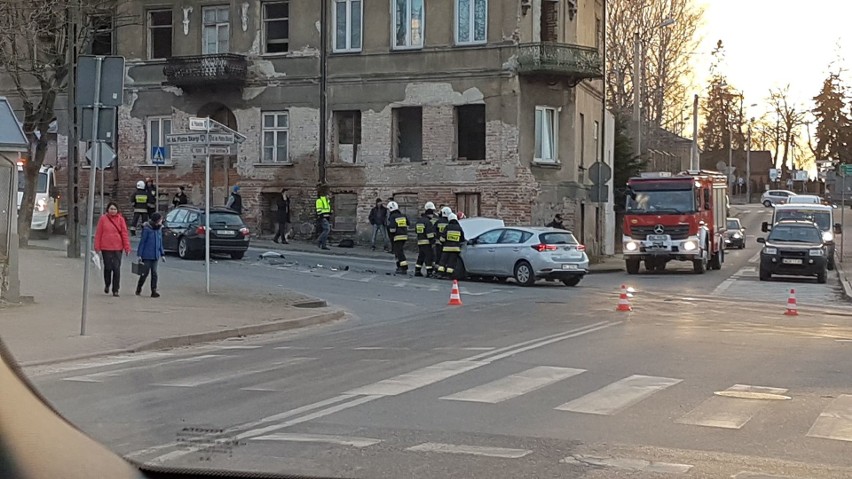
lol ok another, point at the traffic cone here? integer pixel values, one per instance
(792, 309)
(455, 297)
(623, 301)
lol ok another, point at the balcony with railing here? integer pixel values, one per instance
(226, 69)
(573, 62)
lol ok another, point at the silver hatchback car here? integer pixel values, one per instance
(526, 254)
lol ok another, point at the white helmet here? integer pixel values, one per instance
(452, 217)
(140, 185)
(430, 206)
(446, 211)
(392, 206)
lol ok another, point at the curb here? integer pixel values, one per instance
(195, 338)
(844, 281)
(348, 251)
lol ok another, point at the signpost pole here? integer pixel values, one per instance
(842, 207)
(157, 187)
(207, 209)
(103, 208)
(90, 216)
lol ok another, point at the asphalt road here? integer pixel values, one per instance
(706, 378)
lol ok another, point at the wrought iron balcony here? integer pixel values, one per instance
(216, 69)
(559, 59)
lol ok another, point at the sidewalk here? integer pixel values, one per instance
(844, 251)
(49, 329)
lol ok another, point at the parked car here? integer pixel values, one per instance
(804, 200)
(795, 248)
(735, 234)
(184, 230)
(525, 253)
(775, 197)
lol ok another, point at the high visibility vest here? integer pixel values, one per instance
(323, 206)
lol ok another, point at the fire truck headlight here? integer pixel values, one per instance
(689, 246)
(631, 246)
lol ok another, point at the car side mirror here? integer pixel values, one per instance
(471, 242)
(761, 240)
(838, 229)
(743, 228)
(764, 227)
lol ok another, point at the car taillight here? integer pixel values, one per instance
(200, 230)
(245, 231)
(581, 248)
(544, 247)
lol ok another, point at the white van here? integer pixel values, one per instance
(822, 215)
(804, 200)
(49, 214)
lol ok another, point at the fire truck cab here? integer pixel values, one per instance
(678, 217)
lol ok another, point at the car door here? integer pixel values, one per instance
(508, 251)
(478, 254)
(170, 224)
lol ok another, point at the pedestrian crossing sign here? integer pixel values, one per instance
(158, 155)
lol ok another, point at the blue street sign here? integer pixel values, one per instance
(158, 155)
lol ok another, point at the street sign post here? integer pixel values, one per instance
(211, 150)
(158, 158)
(199, 124)
(106, 157)
(200, 138)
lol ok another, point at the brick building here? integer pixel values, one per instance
(491, 107)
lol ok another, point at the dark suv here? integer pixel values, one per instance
(183, 232)
(796, 248)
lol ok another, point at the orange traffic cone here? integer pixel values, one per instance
(623, 301)
(792, 309)
(455, 297)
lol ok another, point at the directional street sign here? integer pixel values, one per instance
(846, 169)
(107, 156)
(199, 124)
(212, 150)
(158, 155)
(200, 139)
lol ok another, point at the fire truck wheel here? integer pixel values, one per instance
(632, 266)
(716, 261)
(699, 266)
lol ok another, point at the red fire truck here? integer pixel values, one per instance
(678, 217)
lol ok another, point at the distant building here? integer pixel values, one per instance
(761, 163)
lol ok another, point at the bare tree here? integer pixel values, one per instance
(724, 122)
(36, 38)
(789, 118)
(666, 56)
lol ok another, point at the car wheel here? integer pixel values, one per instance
(183, 248)
(524, 274)
(632, 266)
(699, 266)
(767, 203)
(574, 281)
(822, 277)
(238, 255)
(716, 261)
(830, 265)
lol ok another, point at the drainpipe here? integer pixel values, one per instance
(602, 134)
(323, 88)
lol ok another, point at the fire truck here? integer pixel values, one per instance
(680, 217)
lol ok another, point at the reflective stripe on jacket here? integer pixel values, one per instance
(398, 226)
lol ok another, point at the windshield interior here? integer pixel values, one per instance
(661, 201)
(821, 218)
(795, 234)
(557, 238)
(41, 187)
(226, 219)
(733, 225)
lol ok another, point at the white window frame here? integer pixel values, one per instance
(217, 25)
(267, 21)
(348, 47)
(152, 28)
(555, 136)
(276, 129)
(408, 45)
(472, 40)
(161, 140)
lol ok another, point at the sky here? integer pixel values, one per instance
(771, 44)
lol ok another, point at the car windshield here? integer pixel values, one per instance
(557, 238)
(226, 219)
(661, 201)
(795, 234)
(733, 224)
(41, 187)
(821, 218)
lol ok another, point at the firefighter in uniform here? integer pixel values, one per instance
(139, 200)
(398, 229)
(454, 237)
(440, 226)
(425, 240)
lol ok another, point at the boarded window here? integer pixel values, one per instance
(468, 203)
(470, 132)
(348, 131)
(345, 211)
(408, 127)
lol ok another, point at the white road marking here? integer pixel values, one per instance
(515, 385)
(501, 452)
(630, 464)
(320, 438)
(723, 286)
(473, 348)
(95, 363)
(210, 378)
(401, 284)
(306, 418)
(835, 421)
(434, 288)
(101, 376)
(513, 347)
(367, 279)
(755, 258)
(417, 379)
(338, 275)
(378, 348)
(733, 407)
(549, 341)
(239, 347)
(301, 348)
(619, 395)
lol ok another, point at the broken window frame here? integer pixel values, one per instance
(267, 20)
(475, 24)
(164, 128)
(350, 9)
(216, 25)
(155, 28)
(397, 139)
(540, 123)
(101, 27)
(406, 20)
(355, 140)
(277, 130)
(465, 203)
(459, 135)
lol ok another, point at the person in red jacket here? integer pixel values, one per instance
(111, 238)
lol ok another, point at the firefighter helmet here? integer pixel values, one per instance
(140, 185)
(392, 206)
(430, 206)
(446, 211)
(452, 217)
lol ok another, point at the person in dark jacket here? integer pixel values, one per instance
(235, 201)
(180, 198)
(152, 196)
(150, 251)
(454, 237)
(556, 223)
(282, 217)
(378, 219)
(425, 229)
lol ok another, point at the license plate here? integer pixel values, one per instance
(226, 233)
(569, 266)
(791, 261)
(658, 237)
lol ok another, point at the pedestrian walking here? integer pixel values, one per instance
(111, 239)
(398, 229)
(235, 201)
(282, 217)
(425, 229)
(452, 245)
(150, 252)
(139, 201)
(323, 205)
(180, 198)
(378, 220)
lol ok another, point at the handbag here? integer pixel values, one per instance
(139, 268)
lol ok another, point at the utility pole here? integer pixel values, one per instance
(695, 161)
(72, 220)
(323, 89)
(748, 165)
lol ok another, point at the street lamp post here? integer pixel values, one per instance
(748, 164)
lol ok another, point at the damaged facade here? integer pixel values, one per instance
(491, 107)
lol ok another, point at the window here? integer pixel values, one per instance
(549, 21)
(217, 30)
(348, 131)
(408, 23)
(158, 128)
(159, 34)
(276, 128)
(471, 21)
(490, 237)
(101, 35)
(596, 133)
(345, 211)
(408, 127)
(598, 33)
(514, 237)
(276, 26)
(468, 203)
(582, 140)
(347, 25)
(470, 132)
(545, 134)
